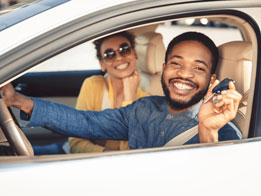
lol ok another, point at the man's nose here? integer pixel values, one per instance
(186, 72)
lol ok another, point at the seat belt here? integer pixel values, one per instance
(183, 137)
(243, 101)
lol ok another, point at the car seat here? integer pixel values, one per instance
(236, 63)
(151, 51)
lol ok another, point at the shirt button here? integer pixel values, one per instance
(162, 133)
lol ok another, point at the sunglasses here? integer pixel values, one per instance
(110, 54)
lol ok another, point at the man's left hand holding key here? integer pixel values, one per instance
(213, 116)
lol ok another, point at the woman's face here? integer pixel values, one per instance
(119, 59)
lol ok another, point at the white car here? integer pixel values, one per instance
(46, 51)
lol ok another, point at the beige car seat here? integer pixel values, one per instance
(236, 63)
(151, 51)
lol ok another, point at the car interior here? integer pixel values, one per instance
(237, 61)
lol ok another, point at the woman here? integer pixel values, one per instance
(119, 87)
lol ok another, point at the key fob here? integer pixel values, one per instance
(223, 85)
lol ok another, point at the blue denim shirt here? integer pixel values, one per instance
(145, 123)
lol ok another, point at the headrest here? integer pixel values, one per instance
(236, 50)
(236, 63)
(151, 51)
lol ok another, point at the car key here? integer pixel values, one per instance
(223, 85)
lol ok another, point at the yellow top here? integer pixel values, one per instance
(90, 98)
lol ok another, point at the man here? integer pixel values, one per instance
(188, 75)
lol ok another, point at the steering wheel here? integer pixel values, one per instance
(13, 133)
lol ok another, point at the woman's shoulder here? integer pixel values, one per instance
(94, 80)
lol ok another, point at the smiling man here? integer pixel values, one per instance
(188, 70)
(188, 76)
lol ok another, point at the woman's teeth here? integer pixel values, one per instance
(123, 66)
(182, 86)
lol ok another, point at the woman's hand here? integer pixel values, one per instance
(213, 116)
(131, 85)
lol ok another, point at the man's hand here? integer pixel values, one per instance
(130, 86)
(213, 116)
(8, 94)
(12, 98)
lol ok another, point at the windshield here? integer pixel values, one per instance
(21, 13)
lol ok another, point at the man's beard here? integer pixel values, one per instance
(178, 104)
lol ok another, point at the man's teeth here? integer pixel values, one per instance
(182, 86)
(123, 66)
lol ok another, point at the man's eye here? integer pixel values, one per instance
(199, 68)
(175, 63)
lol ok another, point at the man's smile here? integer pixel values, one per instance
(182, 86)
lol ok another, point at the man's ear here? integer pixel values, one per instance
(163, 66)
(103, 67)
(135, 53)
(213, 78)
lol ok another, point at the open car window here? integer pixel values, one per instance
(60, 77)
(57, 75)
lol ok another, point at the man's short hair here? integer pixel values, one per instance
(129, 36)
(196, 36)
